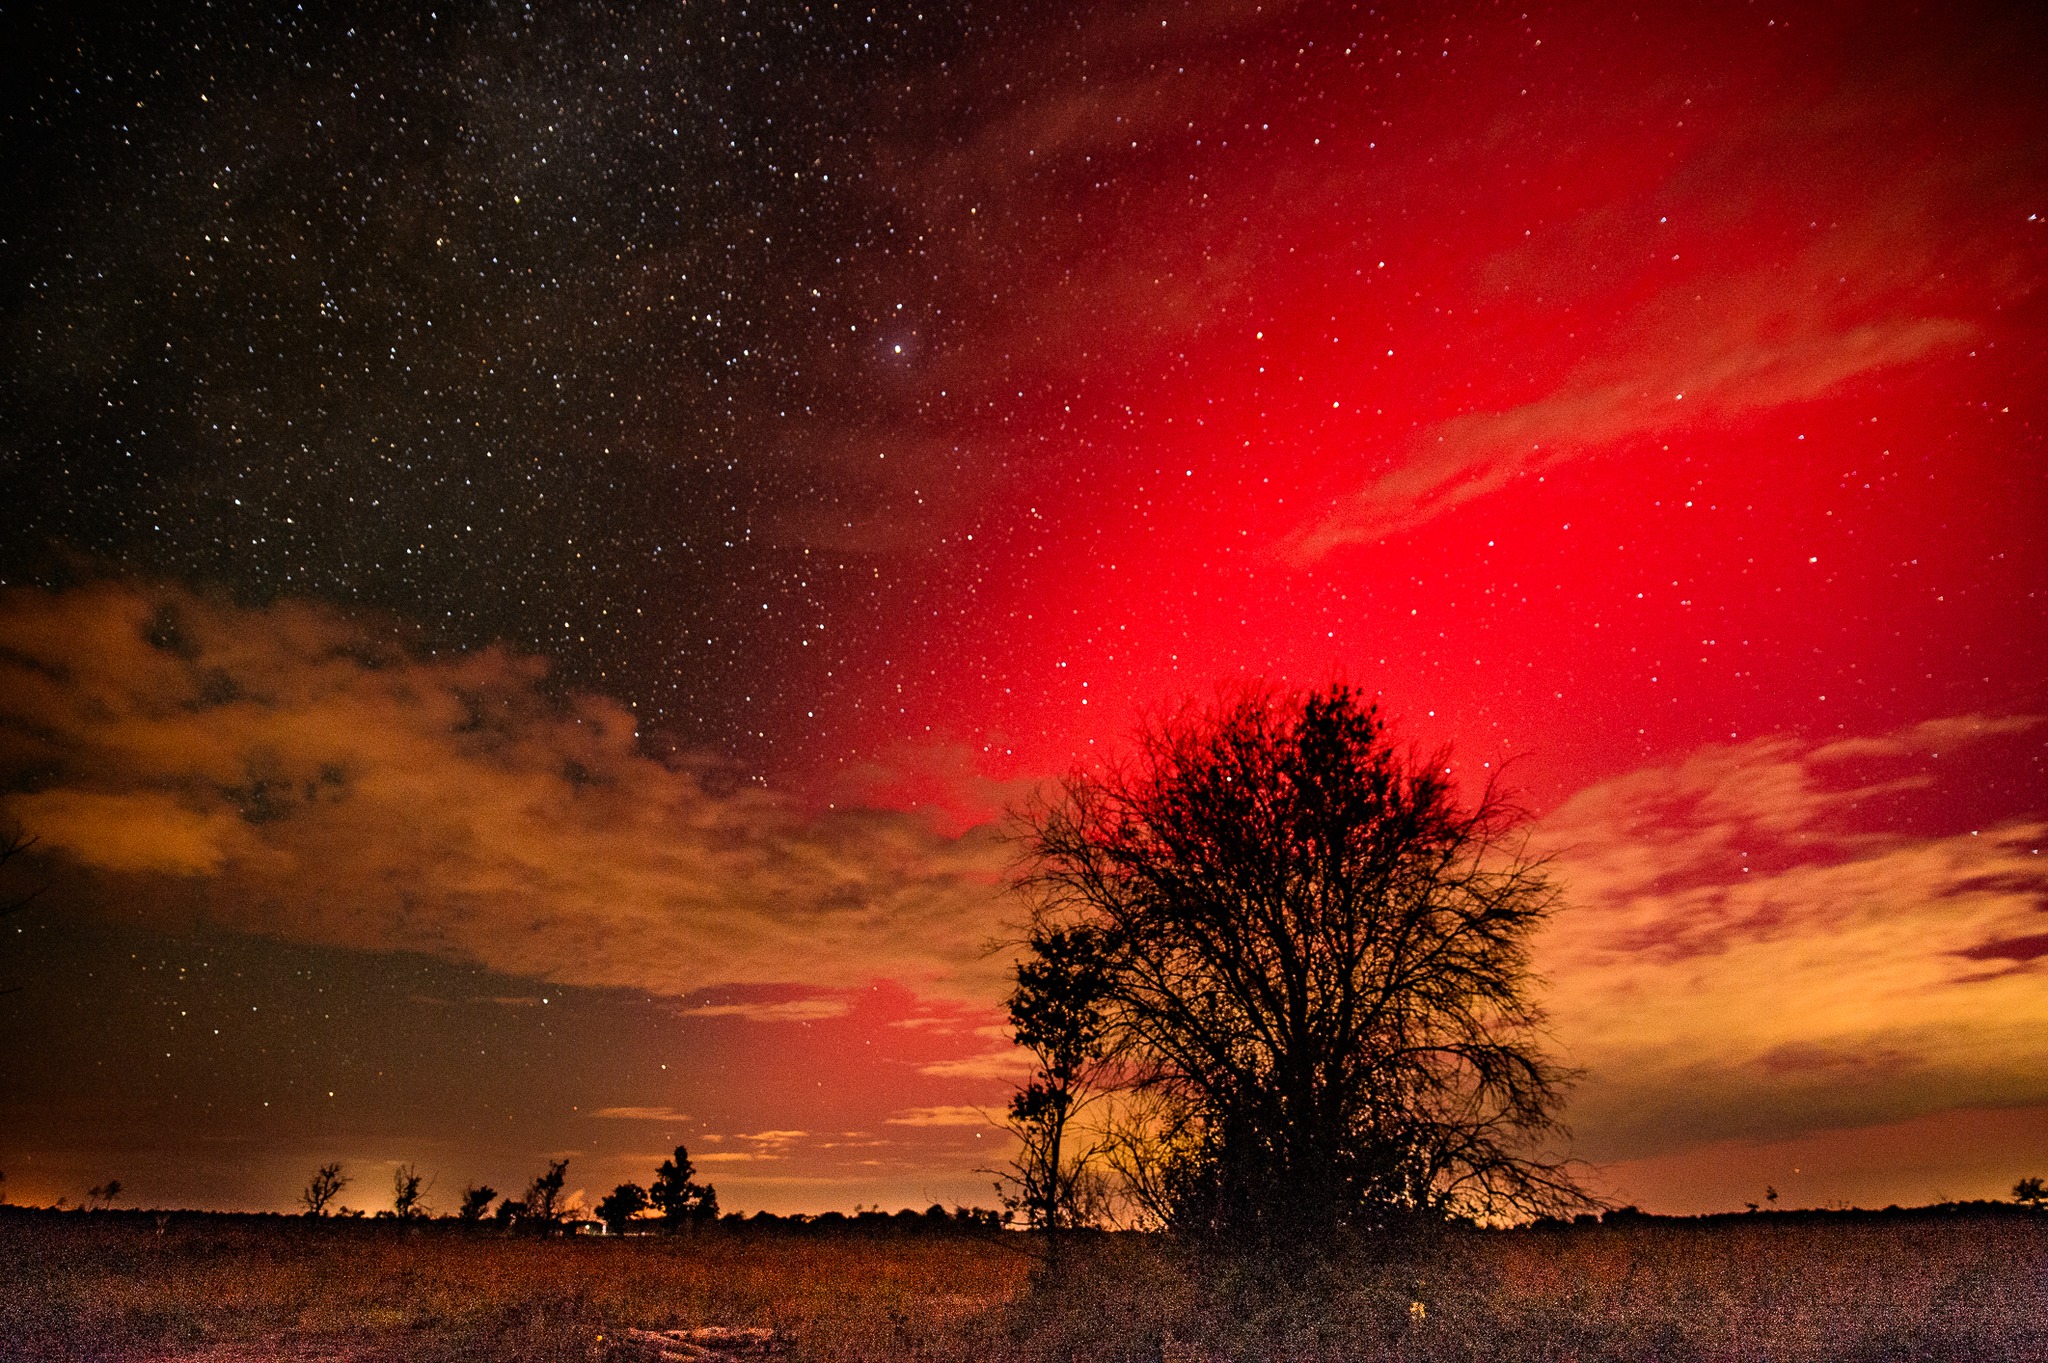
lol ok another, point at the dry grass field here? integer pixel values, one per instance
(1948, 1287)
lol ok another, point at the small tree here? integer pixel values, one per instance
(325, 1186)
(1056, 1014)
(621, 1205)
(2031, 1192)
(680, 1199)
(103, 1196)
(407, 1194)
(476, 1200)
(543, 1209)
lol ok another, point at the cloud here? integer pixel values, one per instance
(139, 831)
(1750, 952)
(767, 1145)
(1717, 297)
(1758, 359)
(290, 771)
(642, 1114)
(788, 1010)
(1009, 1063)
(949, 1115)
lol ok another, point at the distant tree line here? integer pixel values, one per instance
(678, 1202)
(674, 1202)
(542, 1210)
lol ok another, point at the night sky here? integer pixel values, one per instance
(543, 539)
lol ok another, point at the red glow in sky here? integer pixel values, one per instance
(1593, 388)
(1650, 403)
(1610, 395)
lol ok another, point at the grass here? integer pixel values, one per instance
(1953, 1287)
(106, 1287)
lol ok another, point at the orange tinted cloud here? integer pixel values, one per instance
(949, 1114)
(302, 776)
(140, 831)
(787, 1010)
(1744, 957)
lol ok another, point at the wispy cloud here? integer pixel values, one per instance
(1760, 357)
(787, 1010)
(1008, 1063)
(757, 1147)
(642, 1114)
(947, 1115)
(1701, 327)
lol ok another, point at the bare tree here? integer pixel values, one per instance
(543, 1209)
(13, 843)
(407, 1196)
(1154, 1146)
(325, 1185)
(1317, 971)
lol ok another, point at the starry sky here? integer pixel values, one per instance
(543, 540)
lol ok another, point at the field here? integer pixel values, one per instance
(119, 1286)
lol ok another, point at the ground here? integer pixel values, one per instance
(186, 1288)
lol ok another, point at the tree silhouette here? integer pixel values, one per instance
(13, 843)
(476, 1200)
(678, 1197)
(1316, 971)
(542, 1210)
(325, 1185)
(2031, 1192)
(407, 1195)
(621, 1205)
(1055, 1013)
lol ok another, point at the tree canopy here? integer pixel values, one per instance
(1055, 1014)
(1314, 971)
(677, 1195)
